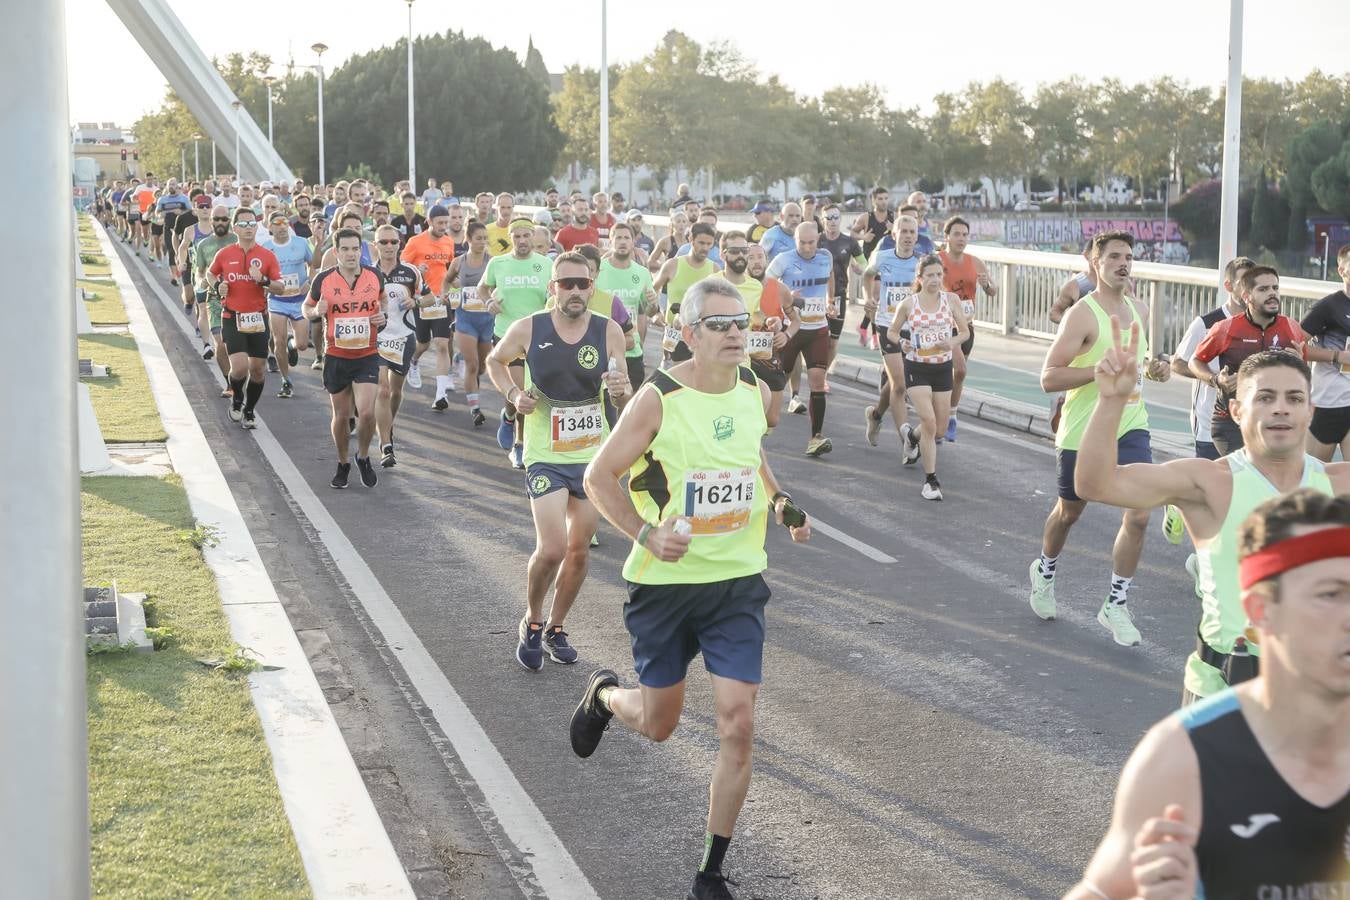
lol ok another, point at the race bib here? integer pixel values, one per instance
(890, 299)
(471, 302)
(249, 322)
(670, 339)
(1345, 368)
(719, 501)
(759, 344)
(813, 312)
(352, 333)
(391, 348)
(453, 298)
(290, 284)
(931, 341)
(968, 307)
(436, 310)
(1138, 393)
(575, 427)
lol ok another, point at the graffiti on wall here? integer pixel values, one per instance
(1158, 240)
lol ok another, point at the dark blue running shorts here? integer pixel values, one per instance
(1131, 447)
(670, 623)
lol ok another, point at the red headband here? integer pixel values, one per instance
(1281, 556)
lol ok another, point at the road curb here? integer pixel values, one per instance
(343, 844)
(992, 408)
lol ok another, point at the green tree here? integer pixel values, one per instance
(1055, 118)
(534, 65)
(996, 120)
(1270, 214)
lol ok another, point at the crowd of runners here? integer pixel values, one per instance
(558, 310)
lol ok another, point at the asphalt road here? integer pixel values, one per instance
(920, 733)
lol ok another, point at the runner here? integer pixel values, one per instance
(707, 216)
(769, 328)
(242, 272)
(763, 213)
(410, 222)
(937, 327)
(808, 275)
(204, 252)
(695, 571)
(1202, 395)
(848, 257)
(643, 246)
(962, 274)
(397, 340)
(1080, 285)
(517, 287)
(1245, 794)
(666, 247)
(288, 323)
(1328, 324)
(430, 254)
(482, 203)
(1084, 337)
(192, 228)
(318, 226)
(172, 205)
(571, 356)
(580, 231)
(499, 229)
(1230, 341)
(632, 285)
(455, 230)
(350, 299)
(781, 238)
(677, 275)
(887, 282)
(473, 323)
(602, 220)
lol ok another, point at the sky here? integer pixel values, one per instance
(1025, 41)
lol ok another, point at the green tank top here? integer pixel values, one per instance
(522, 285)
(1222, 620)
(685, 277)
(751, 291)
(630, 285)
(1079, 401)
(704, 464)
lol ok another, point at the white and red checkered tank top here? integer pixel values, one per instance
(930, 333)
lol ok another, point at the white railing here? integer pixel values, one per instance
(1029, 282)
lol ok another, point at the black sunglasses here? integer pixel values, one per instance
(220, 218)
(724, 323)
(572, 284)
(388, 243)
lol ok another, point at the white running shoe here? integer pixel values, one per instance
(910, 450)
(873, 425)
(1042, 592)
(931, 491)
(414, 379)
(1117, 619)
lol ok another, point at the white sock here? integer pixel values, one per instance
(442, 385)
(1120, 586)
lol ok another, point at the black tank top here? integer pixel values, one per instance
(566, 372)
(1258, 837)
(879, 228)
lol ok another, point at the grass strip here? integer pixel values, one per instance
(183, 800)
(106, 306)
(123, 404)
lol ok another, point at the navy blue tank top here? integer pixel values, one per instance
(561, 371)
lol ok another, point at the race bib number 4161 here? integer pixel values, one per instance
(719, 501)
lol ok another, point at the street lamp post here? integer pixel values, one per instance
(196, 157)
(1167, 195)
(214, 176)
(319, 49)
(269, 80)
(1232, 138)
(604, 96)
(412, 142)
(238, 164)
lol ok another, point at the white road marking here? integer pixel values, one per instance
(853, 543)
(552, 866)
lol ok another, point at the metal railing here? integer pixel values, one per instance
(1029, 282)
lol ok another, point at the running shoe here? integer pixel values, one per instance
(318, 362)
(710, 886)
(292, 354)
(796, 406)
(1116, 618)
(250, 421)
(367, 469)
(873, 424)
(478, 418)
(387, 456)
(340, 479)
(591, 719)
(414, 377)
(208, 352)
(440, 404)
(506, 432)
(1193, 569)
(227, 392)
(951, 429)
(1172, 527)
(931, 490)
(818, 446)
(517, 456)
(530, 650)
(173, 281)
(909, 444)
(1042, 591)
(272, 364)
(236, 412)
(286, 389)
(559, 650)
